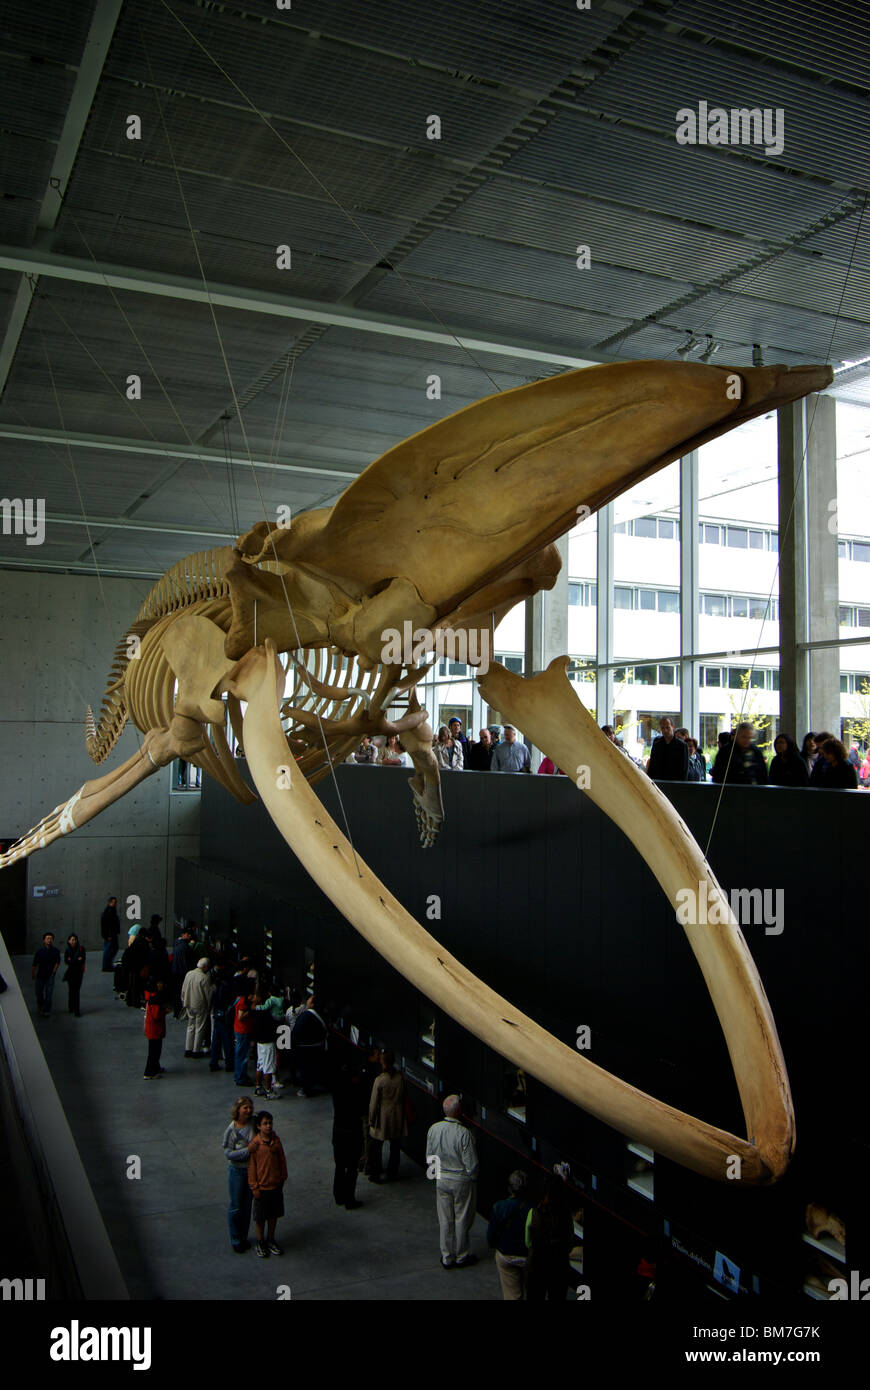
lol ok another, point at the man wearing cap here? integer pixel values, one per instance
(196, 993)
(454, 724)
(510, 756)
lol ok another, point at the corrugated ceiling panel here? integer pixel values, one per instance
(519, 212)
(782, 326)
(257, 217)
(827, 37)
(148, 247)
(540, 275)
(660, 76)
(812, 283)
(34, 99)
(370, 361)
(179, 339)
(520, 41)
(848, 240)
(478, 313)
(109, 483)
(646, 172)
(314, 81)
(53, 29)
(199, 494)
(238, 146)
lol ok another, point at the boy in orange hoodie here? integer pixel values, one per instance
(267, 1174)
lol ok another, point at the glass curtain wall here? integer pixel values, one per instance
(734, 663)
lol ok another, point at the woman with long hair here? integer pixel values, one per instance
(237, 1136)
(787, 767)
(840, 772)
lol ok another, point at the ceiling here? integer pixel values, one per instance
(410, 256)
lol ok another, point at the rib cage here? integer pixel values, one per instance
(198, 576)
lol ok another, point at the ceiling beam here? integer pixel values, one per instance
(120, 445)
(124, 523)
(35, 262)
(100, 34)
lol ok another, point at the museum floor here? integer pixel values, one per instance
(169, 1227)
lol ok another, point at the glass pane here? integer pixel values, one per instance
(847, 616)
(737, 490)
(667, 675)
(712, 675)
(621, 598)
(575, 594)
(645, 675)
(861, 552)
(668, 602)
(711, 534)
(863, 617)
(666, 529)
(647, 631)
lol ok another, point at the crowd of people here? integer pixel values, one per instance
(675, 756)
(497, 749)
(234, 1013)
(821, 761)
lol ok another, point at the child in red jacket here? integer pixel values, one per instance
(156, 1009)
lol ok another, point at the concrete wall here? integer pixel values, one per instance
(57, 637)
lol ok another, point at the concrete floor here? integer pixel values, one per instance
(169, 1227)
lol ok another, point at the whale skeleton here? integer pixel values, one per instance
(448, 531)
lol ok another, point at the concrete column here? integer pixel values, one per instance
(794, 710)
(689, 713)
(809, 696)
(823, 589)
(547, 627)
(604, 616)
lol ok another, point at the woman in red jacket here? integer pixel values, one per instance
(156, 1009)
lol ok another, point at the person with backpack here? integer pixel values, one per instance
(266, 1014)
(221, 1021)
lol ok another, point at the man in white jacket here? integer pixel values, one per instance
(451, 1158)
(196, 993)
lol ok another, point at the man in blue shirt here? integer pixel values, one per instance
(45, 963)
(510, 756)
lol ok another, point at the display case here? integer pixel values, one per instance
(514, 1088)
(824, 1242)
(640, 1169)
(426, 1053)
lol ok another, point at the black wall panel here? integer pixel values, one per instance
(547, 901)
